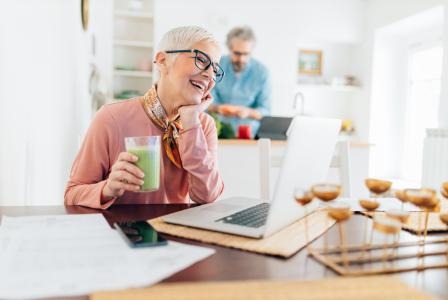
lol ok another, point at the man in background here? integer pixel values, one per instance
(244, 95)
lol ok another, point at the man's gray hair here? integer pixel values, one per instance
(244, 33)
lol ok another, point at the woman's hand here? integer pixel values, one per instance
(124, 176)
(189, 114)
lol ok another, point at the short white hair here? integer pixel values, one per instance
(184, 37)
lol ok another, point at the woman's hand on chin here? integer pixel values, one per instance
(189, 114)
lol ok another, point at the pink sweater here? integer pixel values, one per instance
(199, 179)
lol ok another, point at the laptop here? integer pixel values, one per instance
(309, 150)
(274, 128)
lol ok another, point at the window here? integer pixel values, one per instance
(424, 81)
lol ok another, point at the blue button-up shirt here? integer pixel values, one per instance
(251, 88)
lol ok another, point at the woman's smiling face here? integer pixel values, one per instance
(190, 83)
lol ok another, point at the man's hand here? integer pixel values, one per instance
(237, 111)
(243, 112)
(227, 110)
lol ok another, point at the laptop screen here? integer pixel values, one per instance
(273, 128)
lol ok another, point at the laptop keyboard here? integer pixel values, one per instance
(254, 216)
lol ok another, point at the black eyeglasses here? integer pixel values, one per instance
(203, 62)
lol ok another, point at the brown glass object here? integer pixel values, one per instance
(303, 198)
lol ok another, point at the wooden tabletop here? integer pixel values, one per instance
(228, 264)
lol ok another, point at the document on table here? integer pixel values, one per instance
(68, 255)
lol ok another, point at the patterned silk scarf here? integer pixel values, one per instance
(157, 114)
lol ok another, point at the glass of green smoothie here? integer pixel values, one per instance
(147, 149)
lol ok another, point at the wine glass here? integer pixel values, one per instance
(304, 197)
(326, 192)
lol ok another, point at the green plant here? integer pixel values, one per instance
(217, 123)
(224, 130)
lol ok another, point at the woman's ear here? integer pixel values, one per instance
(161, 62)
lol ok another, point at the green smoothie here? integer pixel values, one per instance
(149, 163)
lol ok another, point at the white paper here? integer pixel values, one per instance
(69, 255)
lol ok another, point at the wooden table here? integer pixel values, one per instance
(228, 264)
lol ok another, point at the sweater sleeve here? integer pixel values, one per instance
(198, 147)
(92, 165)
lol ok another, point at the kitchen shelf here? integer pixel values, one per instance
(329, 87)
(132, 46)
(132, 14)
(130, 43)
(133, 73)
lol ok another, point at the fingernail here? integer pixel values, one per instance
(136, 187)
(140, 182)
(142, 174)
(134, 158)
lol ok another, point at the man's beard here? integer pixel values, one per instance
(238, 66)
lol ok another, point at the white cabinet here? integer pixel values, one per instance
(133, 43)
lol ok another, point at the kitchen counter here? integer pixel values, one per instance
(353, 144)
(239, 164)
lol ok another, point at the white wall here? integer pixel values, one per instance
(443, 108)
(381, 13)
(392, 28)
(281, 27)
(37, 100)
(44, 59)
(337, 61)
(378, 14)
(100, 32)
(388, 108)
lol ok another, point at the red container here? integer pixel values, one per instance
(244, 131)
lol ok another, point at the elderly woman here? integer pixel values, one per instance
(103, 173)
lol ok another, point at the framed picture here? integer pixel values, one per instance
(310, 62)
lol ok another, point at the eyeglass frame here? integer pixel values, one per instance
(211, 63)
